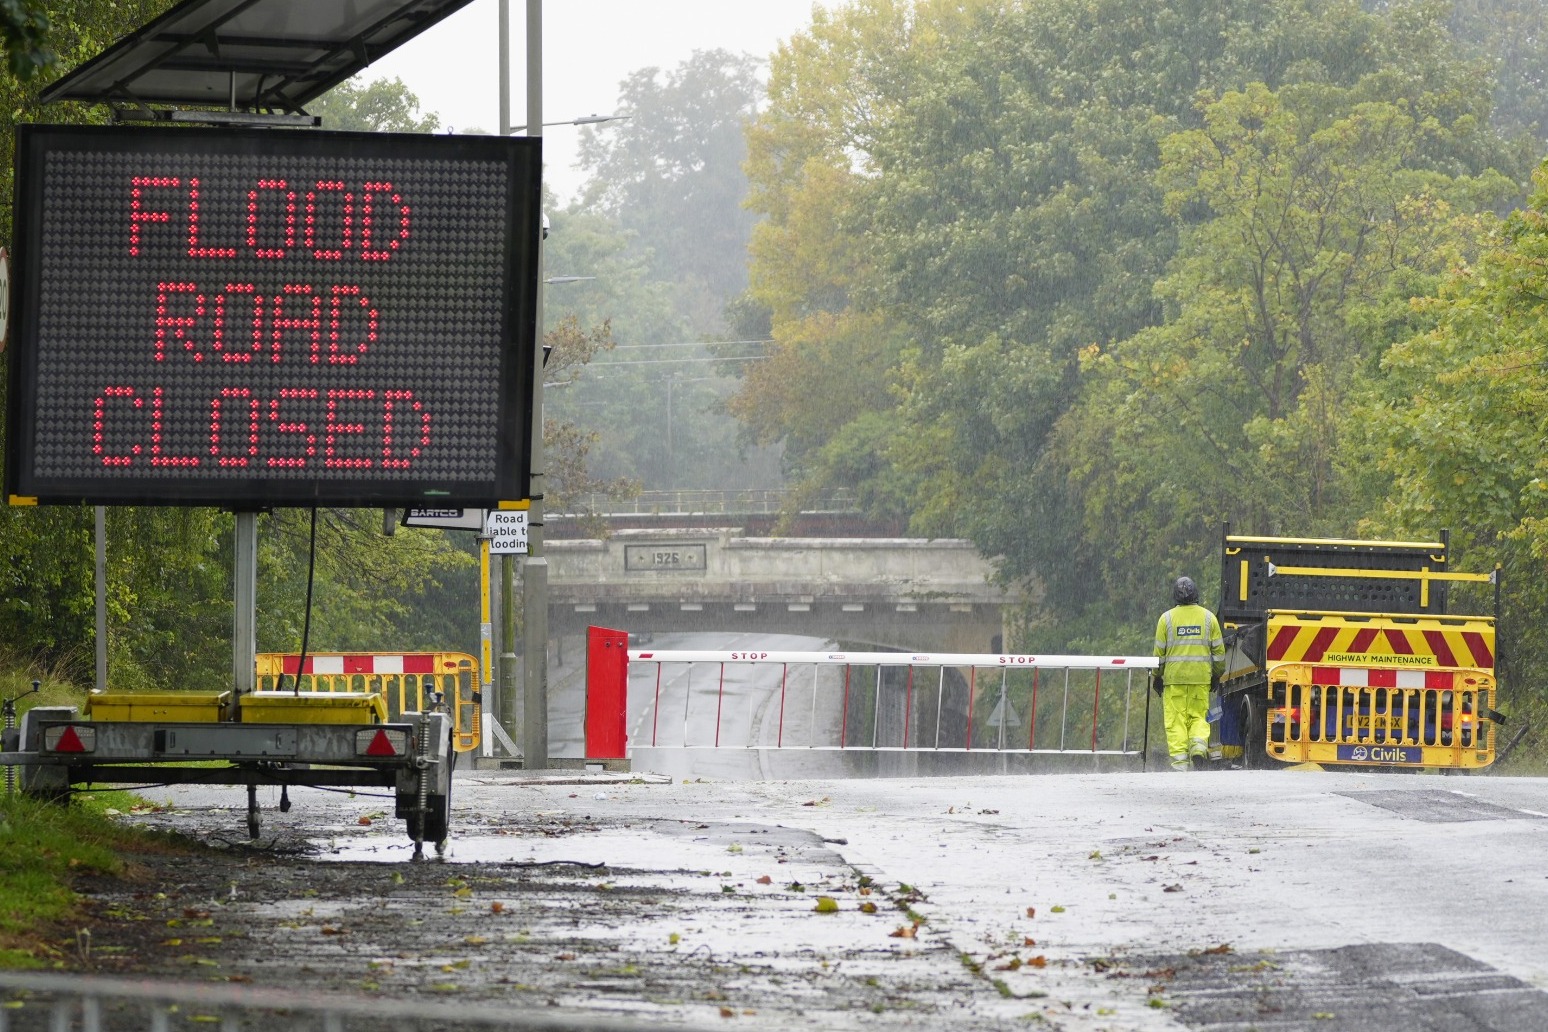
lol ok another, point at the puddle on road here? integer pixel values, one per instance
(713, 892)
(652, 845)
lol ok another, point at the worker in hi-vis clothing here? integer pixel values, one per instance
(1192, 652)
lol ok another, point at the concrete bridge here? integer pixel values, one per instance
(907, 593)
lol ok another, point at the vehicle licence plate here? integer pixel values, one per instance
(1380, 754)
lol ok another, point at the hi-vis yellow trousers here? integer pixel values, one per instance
(1187, 727)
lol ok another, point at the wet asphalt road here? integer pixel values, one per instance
(1276, 900)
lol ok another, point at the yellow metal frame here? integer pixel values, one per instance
(456, 677)
(1238, 540)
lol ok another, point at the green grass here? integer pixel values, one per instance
(43, 847)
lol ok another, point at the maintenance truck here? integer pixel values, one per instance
(1341, 653)
(346, 720)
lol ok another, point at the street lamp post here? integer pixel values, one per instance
(534, 739)
(534, 722)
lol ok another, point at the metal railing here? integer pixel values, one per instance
(892, 702)
(751, 502)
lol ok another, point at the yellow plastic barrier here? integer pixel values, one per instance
(401, 678)
(1357, 715)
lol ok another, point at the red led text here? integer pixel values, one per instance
(322, 220)
(238, 322)
(295, 428)
(234, 323)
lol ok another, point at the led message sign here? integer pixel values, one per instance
(253, 318)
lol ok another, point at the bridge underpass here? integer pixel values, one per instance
(900, 593)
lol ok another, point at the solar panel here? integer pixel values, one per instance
(247, 55)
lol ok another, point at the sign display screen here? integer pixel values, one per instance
(254, 318)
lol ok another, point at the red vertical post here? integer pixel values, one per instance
(972, 690)
(1096, 709)
(844, 720)
(655, 710)
(784, 673)
(607, 693)
(719, 701)
(1032, 714)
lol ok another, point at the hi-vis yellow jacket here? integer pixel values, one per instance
(1189, 645)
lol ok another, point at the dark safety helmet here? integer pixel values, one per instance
(1185, 592)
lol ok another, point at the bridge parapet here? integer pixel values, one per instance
(910, 592)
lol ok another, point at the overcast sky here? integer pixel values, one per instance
(588, 47)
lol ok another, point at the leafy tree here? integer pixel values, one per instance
(24, 27)
(1511, 38)
(671, 175)
(660, 237)
(1458, 422)
(370, 591)
(663, 229)
(1305, 228)
(378, 106)
(990, 169)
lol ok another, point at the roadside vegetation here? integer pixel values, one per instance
(44, 847)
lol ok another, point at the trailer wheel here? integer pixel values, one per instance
(1250, 715)
(437, 821)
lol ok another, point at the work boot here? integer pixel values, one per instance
(1200, 762)
(1180, 763)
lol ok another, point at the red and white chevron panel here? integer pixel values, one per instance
(364, 663)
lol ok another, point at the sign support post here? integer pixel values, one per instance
(244, 616)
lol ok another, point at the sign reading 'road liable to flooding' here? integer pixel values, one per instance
(507, 532)
(255, 318)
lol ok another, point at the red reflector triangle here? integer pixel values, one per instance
(381, 745)
(69, 742)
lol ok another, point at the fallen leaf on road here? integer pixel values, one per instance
(497, 907)
(1031, 911)
(1028, 941)
(765, 880)
(331, 930)
(826, 905)
(868, 907)
(904, 932)
(364, 822)
(1223, 948)
(1172, 888)
(727, 1012)
(1038, 961)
